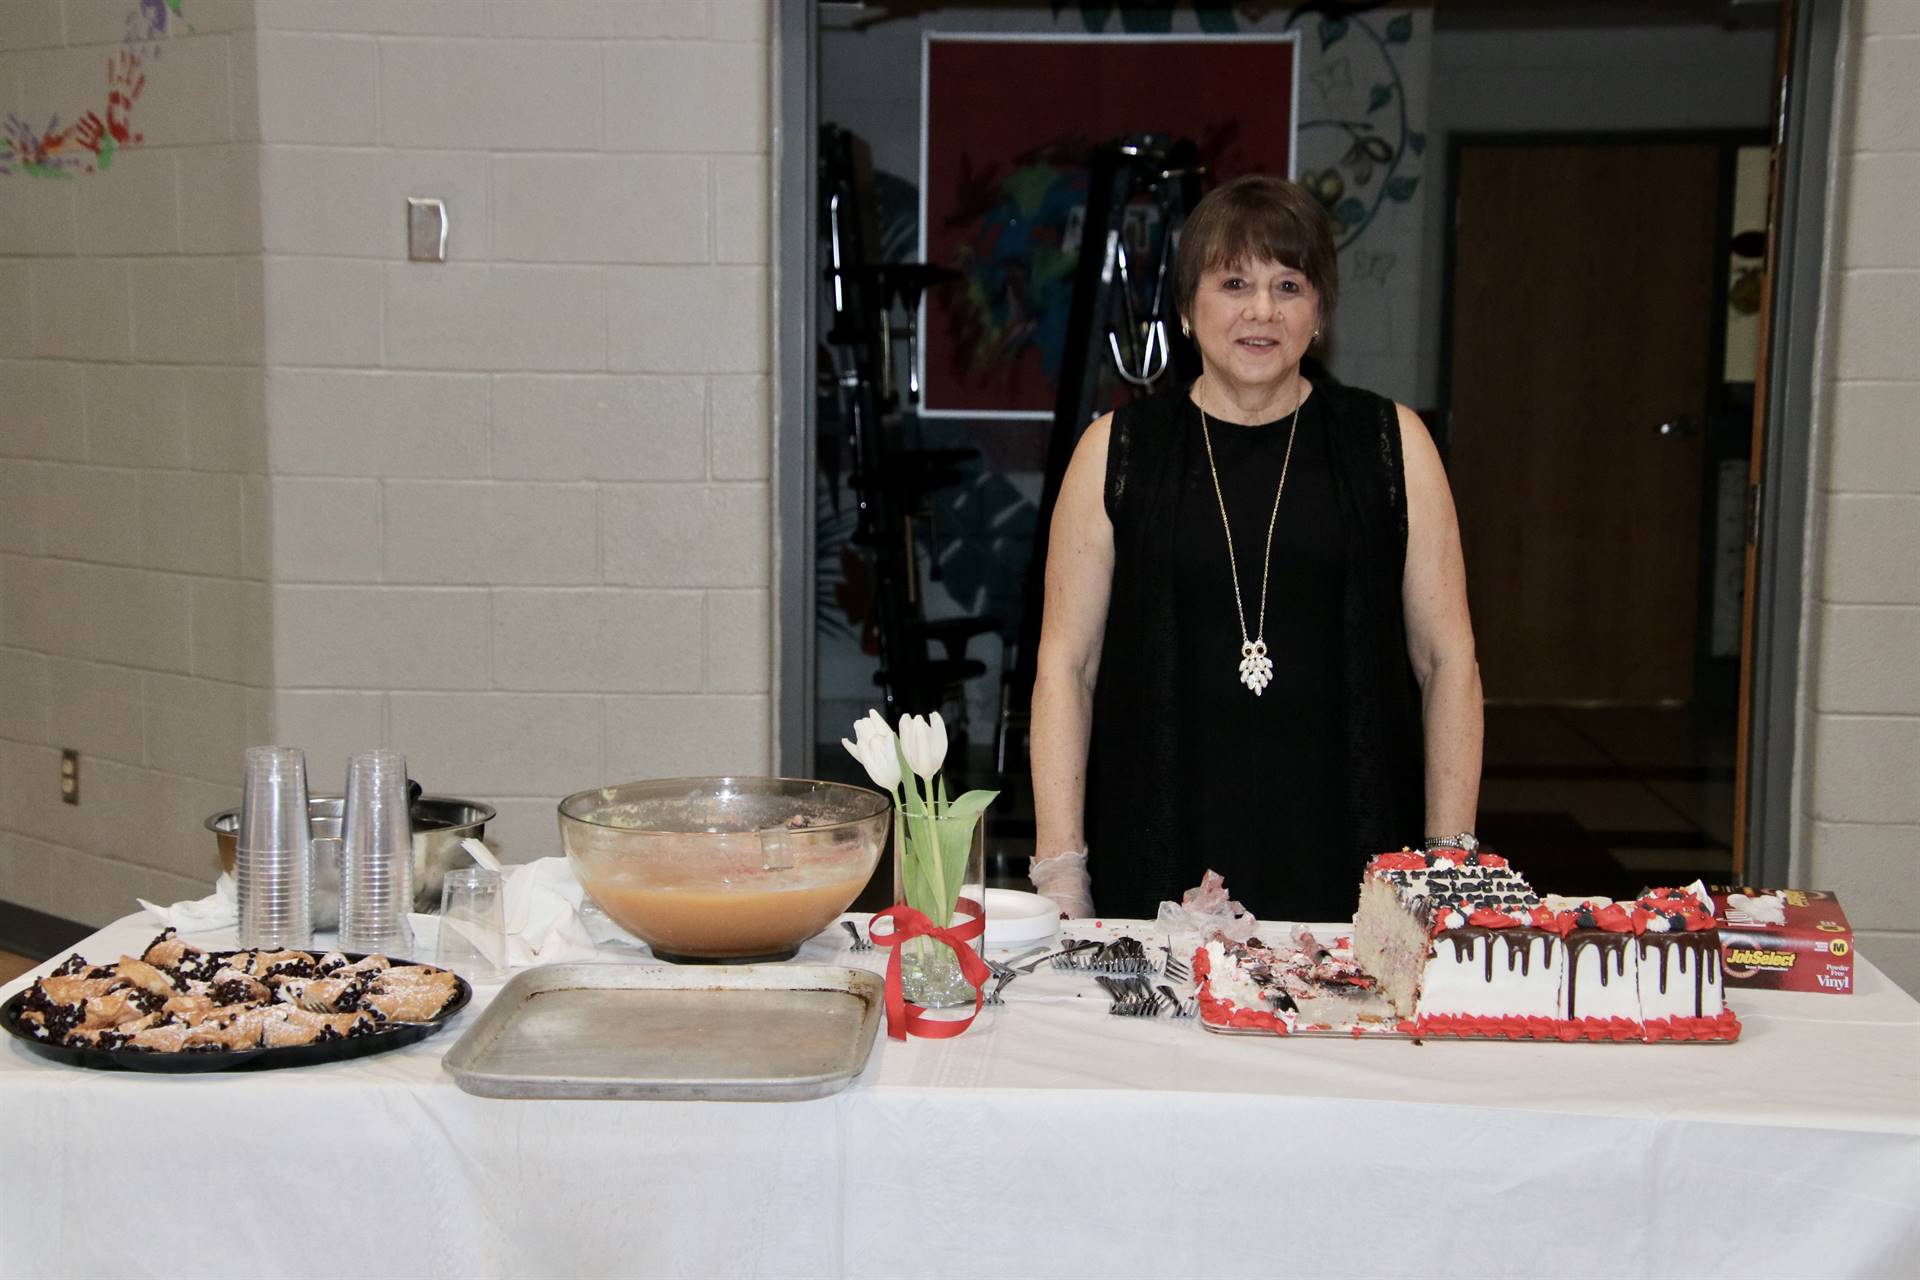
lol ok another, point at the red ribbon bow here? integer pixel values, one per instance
(905, 1018)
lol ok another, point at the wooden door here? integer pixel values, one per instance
(1582, 321)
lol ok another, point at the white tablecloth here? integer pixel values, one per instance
(1049, 1139)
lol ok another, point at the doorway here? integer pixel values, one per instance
(1493, 56)
(1599, 419)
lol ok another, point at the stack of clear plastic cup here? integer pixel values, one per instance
(273, 855)
(376, 856)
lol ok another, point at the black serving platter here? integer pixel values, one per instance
(195, 1062)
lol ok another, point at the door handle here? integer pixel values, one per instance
(1682, 427)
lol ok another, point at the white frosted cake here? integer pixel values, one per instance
(1500, 960)
(1461, 945)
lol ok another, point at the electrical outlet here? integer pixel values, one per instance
(69, 776)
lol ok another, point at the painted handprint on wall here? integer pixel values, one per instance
(89, 143)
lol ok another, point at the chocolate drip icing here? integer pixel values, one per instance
(1612, 947)
(1519, 947)
(1703, 944)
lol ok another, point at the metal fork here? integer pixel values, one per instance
(860, 942)
(1175, 968)
(1003, 974)
(1132, 997)
(1176, 1006)
(1122, 955)
(1064, 958)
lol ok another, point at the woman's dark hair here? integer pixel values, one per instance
(1258, 218)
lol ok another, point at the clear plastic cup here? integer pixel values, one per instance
(273, 855)
(376, 856)
(473, 924)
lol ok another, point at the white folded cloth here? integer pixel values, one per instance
(218, 910)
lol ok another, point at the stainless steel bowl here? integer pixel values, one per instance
(440, 823)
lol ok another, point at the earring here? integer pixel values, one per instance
(1186, 329)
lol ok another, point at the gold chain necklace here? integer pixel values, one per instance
(1256, 668)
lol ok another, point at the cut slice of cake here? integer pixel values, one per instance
(1681, 985)
(1601, 991)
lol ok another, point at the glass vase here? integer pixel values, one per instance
(930, 973)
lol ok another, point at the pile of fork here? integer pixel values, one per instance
(1122, 955)
(1135, 997)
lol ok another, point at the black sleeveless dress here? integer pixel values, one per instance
(1265, 755)
(1286, 794)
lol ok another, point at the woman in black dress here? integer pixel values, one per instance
(1256, 655)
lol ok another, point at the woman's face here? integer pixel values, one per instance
(1253, 321)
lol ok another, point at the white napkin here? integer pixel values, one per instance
(218, 910)
(545, 920)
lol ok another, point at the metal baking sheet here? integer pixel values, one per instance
(746, 1033)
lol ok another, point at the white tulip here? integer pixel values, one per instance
(874, 748)
(924, 744)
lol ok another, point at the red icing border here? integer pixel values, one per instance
(1513, 1027)
(1216, 1012)
(1723, 1026)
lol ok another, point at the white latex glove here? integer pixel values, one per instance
(1063, 877)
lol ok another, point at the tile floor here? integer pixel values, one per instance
(1606, 799)
(12, 966)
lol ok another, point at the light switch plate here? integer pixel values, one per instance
(426, 230)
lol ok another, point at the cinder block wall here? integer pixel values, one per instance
(1861, 804)
(133, 565)
(263, 479)
(261, 476)
(520, 500)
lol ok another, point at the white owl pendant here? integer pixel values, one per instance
(1256, 668)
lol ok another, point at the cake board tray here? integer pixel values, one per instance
(1395, 1033)
(744, 1033)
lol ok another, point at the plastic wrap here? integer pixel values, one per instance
(1207, 911)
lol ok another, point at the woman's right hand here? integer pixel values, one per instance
(1063, 878)
(1072, 624)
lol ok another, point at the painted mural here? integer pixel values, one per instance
(1009, 132)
